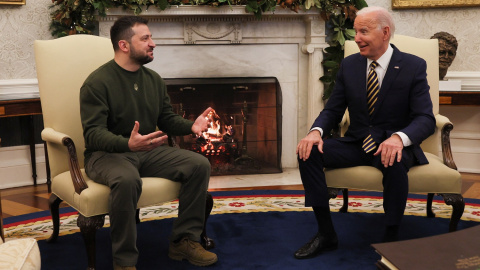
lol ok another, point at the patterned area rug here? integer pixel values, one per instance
(40, 226)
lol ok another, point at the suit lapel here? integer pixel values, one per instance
(362, 80)
(393, 70)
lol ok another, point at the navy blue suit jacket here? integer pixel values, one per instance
(403, 104)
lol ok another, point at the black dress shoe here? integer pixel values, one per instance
(318, 244)
(391, 234)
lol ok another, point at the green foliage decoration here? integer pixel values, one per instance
(71, 17)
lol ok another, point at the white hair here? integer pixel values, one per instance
(383, 17)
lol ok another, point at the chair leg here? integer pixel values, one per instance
(344, 208)
(137, 216)
(54, 205)
(430, 212)
(333, 193)
(207, 242)
(88, 228)
(458, 206)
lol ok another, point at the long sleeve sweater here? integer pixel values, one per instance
(112, 99)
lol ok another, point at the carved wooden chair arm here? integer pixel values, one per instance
(52, 136)
(444, 124)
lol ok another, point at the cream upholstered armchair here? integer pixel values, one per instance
(440, 176)
(62, 66)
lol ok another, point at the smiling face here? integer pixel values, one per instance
(371, 38)
(141, 45)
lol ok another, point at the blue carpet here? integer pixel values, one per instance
(264, 240)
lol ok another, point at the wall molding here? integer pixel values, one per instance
(16, 169)
(470, 79)
(19, 89)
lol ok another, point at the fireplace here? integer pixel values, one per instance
(226, 42)
(244, 135)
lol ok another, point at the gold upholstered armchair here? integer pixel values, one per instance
(440, 176)
(62, 66)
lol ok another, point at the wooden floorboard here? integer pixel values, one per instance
(30, 199)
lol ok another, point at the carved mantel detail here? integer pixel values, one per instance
(198, 31)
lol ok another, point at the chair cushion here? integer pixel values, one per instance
(434, 177)
(19, 254)
(93, 201)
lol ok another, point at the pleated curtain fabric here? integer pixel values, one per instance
(373, 87)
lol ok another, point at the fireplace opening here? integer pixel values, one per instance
(244, 135)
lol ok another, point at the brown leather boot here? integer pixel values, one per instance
(191, 251)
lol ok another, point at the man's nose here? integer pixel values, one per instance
(152, 43)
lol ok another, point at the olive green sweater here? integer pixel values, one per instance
(112, 99)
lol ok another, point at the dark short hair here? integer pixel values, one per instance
(122, 29)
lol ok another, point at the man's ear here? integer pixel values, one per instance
(123, 45)
(386, 33)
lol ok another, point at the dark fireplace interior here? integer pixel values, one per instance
(244, 135)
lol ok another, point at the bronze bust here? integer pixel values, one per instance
(447, 49)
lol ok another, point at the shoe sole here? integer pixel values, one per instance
(332, 248)
(181, 256)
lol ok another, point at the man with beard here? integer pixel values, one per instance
(447, 50)
(122, 104)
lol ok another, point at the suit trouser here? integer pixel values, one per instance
(342, 154)
(122, 172)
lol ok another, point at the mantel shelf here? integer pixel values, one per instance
(112, 13)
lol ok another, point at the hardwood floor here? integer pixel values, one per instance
(30, 199)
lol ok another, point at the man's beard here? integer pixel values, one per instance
(140, 59)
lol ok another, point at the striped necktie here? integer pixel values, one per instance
(372, 91)
(372, 87)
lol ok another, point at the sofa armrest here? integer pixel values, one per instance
(52, 136)
(444, 124)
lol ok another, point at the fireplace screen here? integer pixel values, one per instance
(244, 135)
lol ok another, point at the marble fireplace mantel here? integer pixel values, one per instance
(204, 41)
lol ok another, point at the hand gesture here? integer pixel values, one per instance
(139, 142)
(201, 123)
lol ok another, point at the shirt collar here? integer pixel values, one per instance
(384, 60)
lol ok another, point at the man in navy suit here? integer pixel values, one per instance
(395, 124)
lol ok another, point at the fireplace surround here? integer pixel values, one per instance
(227, 42)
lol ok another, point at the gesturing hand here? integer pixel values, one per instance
(201, 123)
(139, 142)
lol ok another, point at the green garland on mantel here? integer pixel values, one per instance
(71, 17)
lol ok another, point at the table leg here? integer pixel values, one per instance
(1, 220)
(32, 150)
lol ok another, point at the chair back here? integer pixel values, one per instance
(428, 50)
(62, 66)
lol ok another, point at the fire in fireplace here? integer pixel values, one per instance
(244, 134)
